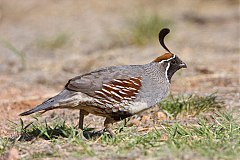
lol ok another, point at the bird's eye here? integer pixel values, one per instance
(174, 62)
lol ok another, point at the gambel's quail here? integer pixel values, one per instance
(117, 92)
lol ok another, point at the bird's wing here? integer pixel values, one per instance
(110, 85)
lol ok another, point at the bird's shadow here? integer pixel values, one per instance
(37, 133)
(55, 133)
(90, 133)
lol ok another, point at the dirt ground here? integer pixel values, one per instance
(205, 34)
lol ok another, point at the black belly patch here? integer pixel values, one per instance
(117, 116)
(120, 115)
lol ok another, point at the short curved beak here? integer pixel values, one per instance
(183, 65)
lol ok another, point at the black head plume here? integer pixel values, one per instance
(161, 37)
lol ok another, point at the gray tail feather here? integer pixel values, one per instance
(44, 106)
(47, 105)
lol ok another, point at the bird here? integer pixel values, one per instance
(117, 92)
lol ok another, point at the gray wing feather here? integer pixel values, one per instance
(90, 82)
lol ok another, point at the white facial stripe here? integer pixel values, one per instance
(168, 65)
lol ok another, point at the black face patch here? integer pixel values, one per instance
(173, 66)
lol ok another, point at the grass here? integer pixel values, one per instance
(145, 28)
(219, 139)
(216, 140)
(21, 55)
(3, 144)
(45, 131)
(53, 42)
(189, 106)
(207, 137)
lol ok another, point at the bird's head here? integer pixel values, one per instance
(169, 61)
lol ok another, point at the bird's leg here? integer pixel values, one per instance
(108, 123)
(124, 124)
(82, 113)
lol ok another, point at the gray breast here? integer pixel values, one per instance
(155, 86)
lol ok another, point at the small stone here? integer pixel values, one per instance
(12, 154)
(161, 116)
(134, 122)
(145, 118)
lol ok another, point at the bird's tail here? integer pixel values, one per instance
(51, 103)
